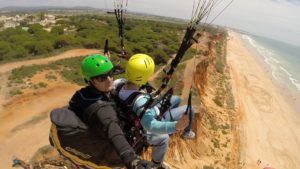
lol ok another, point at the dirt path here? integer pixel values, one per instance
(187, 74)
(24, 123)
(190, 68)
(68, 54)
(159, 70)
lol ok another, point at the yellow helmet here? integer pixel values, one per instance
(139, 68)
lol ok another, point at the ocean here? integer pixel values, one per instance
(282, 59)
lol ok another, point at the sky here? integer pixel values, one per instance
(276, 19)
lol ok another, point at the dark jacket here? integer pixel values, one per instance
(108, 145)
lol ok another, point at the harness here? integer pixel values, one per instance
(66, 125)
(134, 132)
(165, 104)
(130, 122)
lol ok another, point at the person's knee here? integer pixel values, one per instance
(176, 98)
(175, 101)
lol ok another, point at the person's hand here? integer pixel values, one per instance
(141, 164)
(132, 161)
(182, 123)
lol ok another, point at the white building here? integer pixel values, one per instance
(49, 20)
(50, 17)
(10, 24)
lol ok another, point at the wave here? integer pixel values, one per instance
(268, 56)
(294, 81)
(266, 53)
(250, 40)
(287, 72)
(278, 71)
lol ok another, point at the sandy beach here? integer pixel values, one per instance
(270, 127)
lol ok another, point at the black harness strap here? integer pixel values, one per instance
(165, 103)
(189, 106)
(106, 51)
(134, 132)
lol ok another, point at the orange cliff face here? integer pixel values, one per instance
(216, 123)
(219, 120)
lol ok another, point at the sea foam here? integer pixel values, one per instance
(281, 72)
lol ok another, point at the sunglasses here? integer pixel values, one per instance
(103, 77)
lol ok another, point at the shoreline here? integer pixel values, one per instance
(269, 125)
(290, 95)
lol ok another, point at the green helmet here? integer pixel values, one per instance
(94, 65)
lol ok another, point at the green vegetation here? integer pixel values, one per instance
(18, 75)
(50, 77)
(211, 30)
(216, 143)
(208, 167)
(218, 100)
(215, 127)
(189, 54)
(223, 96)
(1, 24)
(229, 97)
(158, 39)
(213, 124)
(15, 92)
(227, 158)
(39, 85)
(221, 60)
(68, 68)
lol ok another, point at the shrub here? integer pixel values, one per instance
(208, 167)
(15, 92)
(218, 100)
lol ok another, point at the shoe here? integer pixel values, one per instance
(188, 135)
